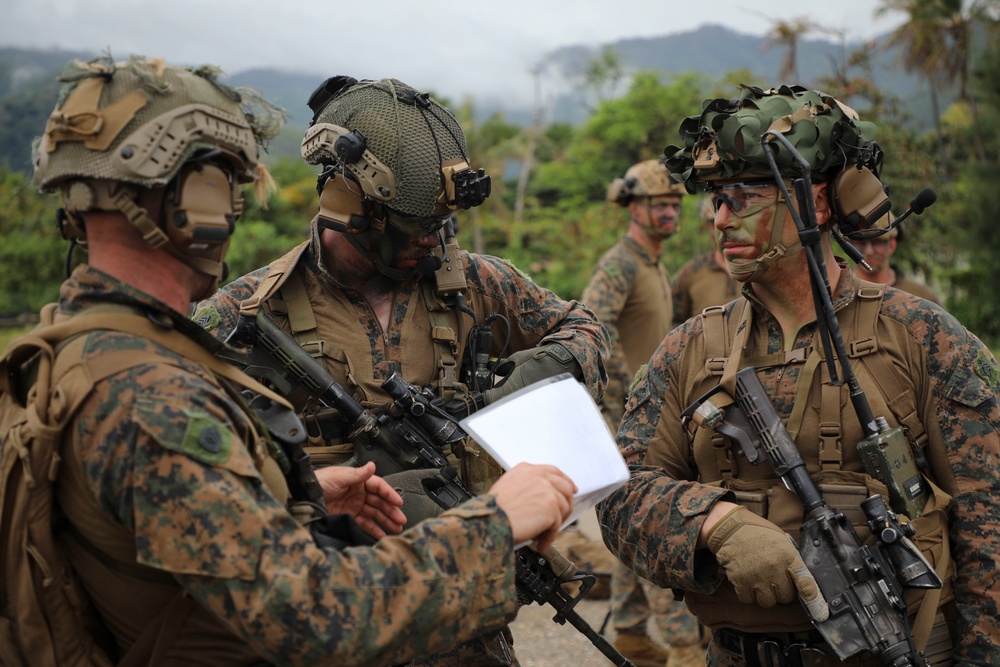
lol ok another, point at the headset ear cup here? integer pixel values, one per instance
(341, 208)
(198, 210)
(858, 199)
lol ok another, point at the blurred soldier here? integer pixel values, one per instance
(878, 253)
(630, 293)
(382, 287)
(677, 520)
(703, 281)
(173, 503)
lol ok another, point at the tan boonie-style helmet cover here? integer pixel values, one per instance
(138, 121)
(649, 178)
(404, 149)
(724, 141)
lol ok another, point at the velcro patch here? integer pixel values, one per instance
(208, 318)
(206, 438)
(986, 368)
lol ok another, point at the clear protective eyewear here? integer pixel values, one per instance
(414, 226)
(744, 199)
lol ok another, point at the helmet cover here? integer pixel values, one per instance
(139, 121)
(724, 141)
(403, 148)
(648, 178)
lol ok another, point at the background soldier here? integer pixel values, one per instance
(380, 288)
(173, 509)
(676, 521)
(878, 253)
(630, 293)
(703, 281)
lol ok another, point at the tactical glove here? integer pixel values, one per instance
(534, 365)
(762, 564)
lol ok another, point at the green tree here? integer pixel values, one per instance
(977, 273)
(786, 35)
(937, 43)
(33, 252)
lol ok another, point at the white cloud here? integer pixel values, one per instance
(479, 48)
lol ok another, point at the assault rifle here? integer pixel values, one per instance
(409, 435)
(863, 586)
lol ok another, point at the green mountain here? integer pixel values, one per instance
(28, 88)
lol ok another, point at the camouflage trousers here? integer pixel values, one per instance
(635, 600)
(494, 650)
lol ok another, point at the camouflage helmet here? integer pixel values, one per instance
(403, 148)
(139, 121)
(724, 141)
(648, 178)
(164, 146)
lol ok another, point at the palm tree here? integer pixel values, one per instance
(787, 34)
(937, 42)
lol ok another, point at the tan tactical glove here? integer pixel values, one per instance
(762, 564)
(534, 365)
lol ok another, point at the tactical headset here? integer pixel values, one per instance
(858, 199)
(198, 211)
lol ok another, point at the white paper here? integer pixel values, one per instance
(553, 422)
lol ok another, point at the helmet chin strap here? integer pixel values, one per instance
(753, 269)
(215, 268)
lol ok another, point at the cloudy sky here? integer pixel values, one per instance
(457, 47)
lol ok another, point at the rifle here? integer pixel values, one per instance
(863, 586)
(409, 435)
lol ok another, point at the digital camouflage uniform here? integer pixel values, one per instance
(360, 355)
(652, 523)
(179, 480)
(630, 293)
(701, 283)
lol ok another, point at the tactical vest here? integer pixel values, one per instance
(822, 422)
(101, 550)
(285, 293)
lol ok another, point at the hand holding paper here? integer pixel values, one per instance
(553, 422)
(537, 499)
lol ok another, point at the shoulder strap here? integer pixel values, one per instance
(277, 273)
(448, 329)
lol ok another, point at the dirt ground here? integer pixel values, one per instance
(540, 642)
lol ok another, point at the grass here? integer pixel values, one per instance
(7, 333)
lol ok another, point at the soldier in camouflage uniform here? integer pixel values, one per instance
(878, 253)
(372, 292)
(677, 520)
(630, 293)
(174, 509)
(703, 281)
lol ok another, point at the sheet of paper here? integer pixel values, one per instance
(554, 421)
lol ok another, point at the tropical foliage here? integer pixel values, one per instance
(562, 224)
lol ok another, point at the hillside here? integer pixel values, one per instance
(28, 88)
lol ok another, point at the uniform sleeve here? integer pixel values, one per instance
(539, 317)
(175, 470)
(606, 294)
(651, 523)
(217, 314)
(964, 399)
